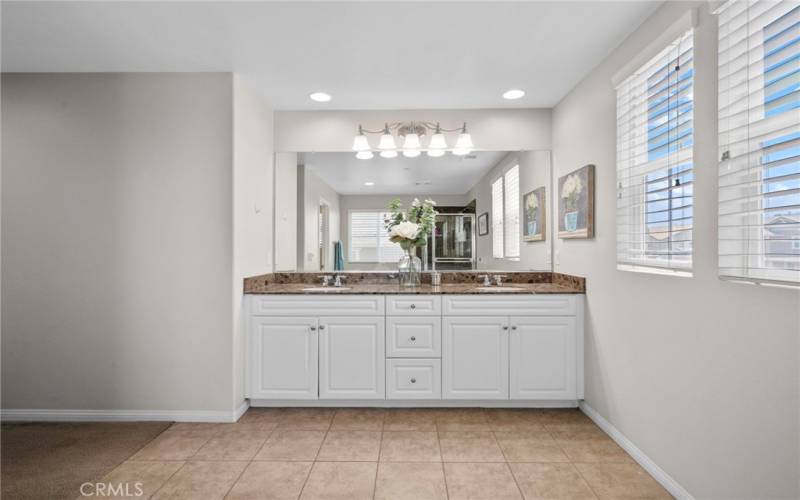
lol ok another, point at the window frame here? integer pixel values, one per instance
(508, 165)
(350, 237)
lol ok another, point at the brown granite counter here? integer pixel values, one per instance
(385, 284)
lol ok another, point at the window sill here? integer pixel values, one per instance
(655, 270)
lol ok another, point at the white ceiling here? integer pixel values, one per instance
(448, 174)
(369, 55)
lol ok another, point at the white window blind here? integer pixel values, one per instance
(497, 219)
(759, 141)
(368, 241)
(655, 110)
(511, 217)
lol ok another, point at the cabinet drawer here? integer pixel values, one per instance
(413, 305)
(315, 305)
(511, 305)
(413, 379)
(408, 337)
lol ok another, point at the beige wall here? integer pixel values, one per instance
(118, 236)
(699, 373)
(253, 208)
(534, 172)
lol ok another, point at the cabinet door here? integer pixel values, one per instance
(475, 357)
(283, 358)
(351, 358)
(543, 358)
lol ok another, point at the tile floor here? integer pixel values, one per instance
(398, 454)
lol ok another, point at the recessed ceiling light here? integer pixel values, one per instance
(369, 183)
(320, 97)
(513, 94)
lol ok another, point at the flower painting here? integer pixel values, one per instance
(534, 215)
(576, 204)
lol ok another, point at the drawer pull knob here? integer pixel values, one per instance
(413, 339)
(505, 327)
(514, 327)
(413, 306)
(321, 327)
(413, 380)
(313, 328)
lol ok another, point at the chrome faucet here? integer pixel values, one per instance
(487, 281)
(498, 279)
(326, 280)
(338, 281)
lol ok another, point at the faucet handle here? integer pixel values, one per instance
(487, 280)
(338, 281)
(498, 279)
(326, 279)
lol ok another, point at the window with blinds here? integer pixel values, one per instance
(759, 141)
(497, 219)
(655, 110)
(505, 215)
(368, 240)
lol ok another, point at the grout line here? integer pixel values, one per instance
(441, 454)
(377, 466)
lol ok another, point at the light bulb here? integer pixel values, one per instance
(360, 143)
(364, 155)
(435, 153)
(389, 153)
(411, 153)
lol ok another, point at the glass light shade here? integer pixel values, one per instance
(364, 155)
(411, 153)
(464, 141)
(387, 142)
(435, 153)
(411, 141)
(389, 153)
(360, 143)
(437, 142)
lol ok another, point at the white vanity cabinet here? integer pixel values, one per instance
(406, 350)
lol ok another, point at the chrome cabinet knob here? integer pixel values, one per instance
(413, 306)
(505, 327)
(313, 328)
(413, 339)
(514, 327)
(413, 380)
(321, 327)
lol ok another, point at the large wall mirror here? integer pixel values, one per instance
(494, 211)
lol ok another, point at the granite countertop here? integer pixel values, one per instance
(444, 289)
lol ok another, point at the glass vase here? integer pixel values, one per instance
(409, 268)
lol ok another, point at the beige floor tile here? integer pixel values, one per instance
(595, 451)
(410, 446)
(480, 482)
(271, 481)
(135, 477)
(308, 419)
(227, 448)
(410, 419)
(462, 419)
(541, 481)
(170, 447)
(358, 419)
(581, 432)
(255, 430)
(206, 480)
(350, 446)
(621, 481)
(410, 481)
(470, 447)
(291, 446)
(564, 416)
(512, 419)
(262, 415)
(340, 480)
(191, 429)
(530, 446)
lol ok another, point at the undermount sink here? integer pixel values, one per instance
(499, 289)
(326, 289)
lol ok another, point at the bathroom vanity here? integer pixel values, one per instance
(375, 344)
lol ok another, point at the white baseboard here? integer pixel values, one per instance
(34, 415)
(412, 403)
(646, 462)
(237, 414)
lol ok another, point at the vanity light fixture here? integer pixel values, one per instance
(411, 134)
(320, 97)
(513, 94)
